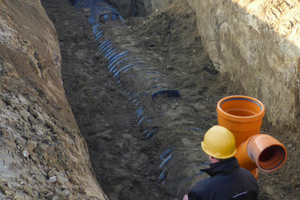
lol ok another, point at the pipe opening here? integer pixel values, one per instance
(242, 115)
(241, 107)
(271, 158)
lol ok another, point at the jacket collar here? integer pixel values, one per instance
(228, 165)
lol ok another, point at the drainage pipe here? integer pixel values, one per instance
(132, 70)
(243, 115)
(262, 151)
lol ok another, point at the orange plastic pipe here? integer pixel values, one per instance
(262, 151)
(242, 115)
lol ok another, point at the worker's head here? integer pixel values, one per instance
(218, 143)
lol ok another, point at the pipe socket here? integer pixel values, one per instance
(242, 115)
(261, 151)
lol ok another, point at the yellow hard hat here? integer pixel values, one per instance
(219, 142)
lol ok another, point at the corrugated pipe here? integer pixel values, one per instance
(144, 82)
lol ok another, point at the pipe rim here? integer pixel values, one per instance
(239, 118)
(279, 156)
(259, 144)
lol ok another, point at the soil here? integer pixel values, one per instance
(125, 157)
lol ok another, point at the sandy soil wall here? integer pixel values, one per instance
(43, 155)
(257, 43)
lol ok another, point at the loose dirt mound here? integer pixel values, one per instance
(125, 161)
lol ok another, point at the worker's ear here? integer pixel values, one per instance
(213, 159)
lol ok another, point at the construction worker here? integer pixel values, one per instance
(228, 181)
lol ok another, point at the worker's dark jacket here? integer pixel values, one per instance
(228, 181)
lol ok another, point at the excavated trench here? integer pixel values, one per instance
(136, 121)
(157, 111)
(143, 91)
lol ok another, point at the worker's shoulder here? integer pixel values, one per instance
(247, 174)
(208, 183)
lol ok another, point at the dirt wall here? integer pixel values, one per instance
(43, 155)
(257, 43)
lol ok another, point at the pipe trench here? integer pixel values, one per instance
(143, 84)
(143, 81)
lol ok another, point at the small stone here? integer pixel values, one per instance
(169, 67)
(164, 49)
(153, 178)
(40, 132)
(20, 141)
(86, 9)
(269, 190)
(31, 172)
(104, 136)
(98, 55)
(25, 153)
(55, 198)
(52, 179)
(290, 145)
(127, 136)
(31, 145)
(67, 192)
(82, 54)
(119, 145)
(107, 124)
(173, 57)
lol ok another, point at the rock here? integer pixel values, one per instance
(25, 153)
(31, 145)
(56, 198)
(52, 179)
(152, 178)
(127, 136)
(104, 135)
(169, 67)
(20, 141)
(81, 54)
(199, 106)
(269, 190)
(98, 54)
